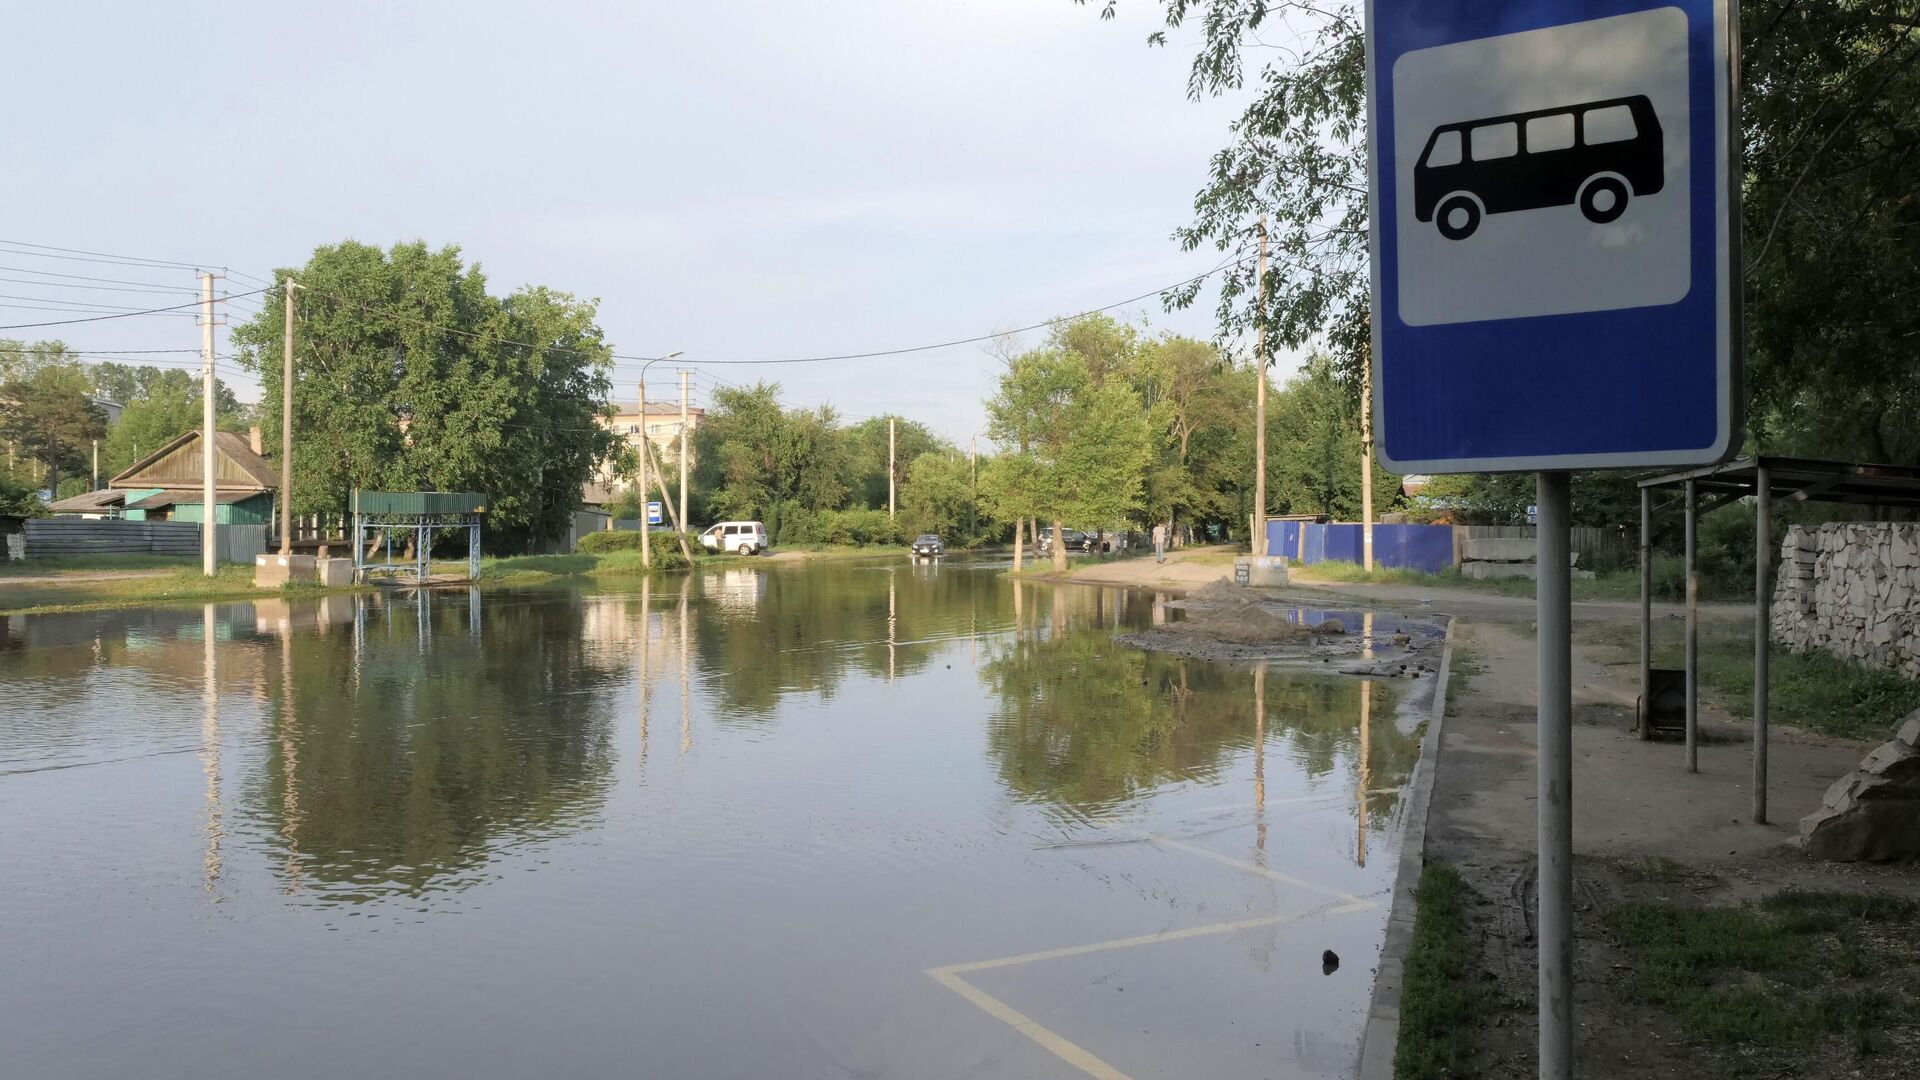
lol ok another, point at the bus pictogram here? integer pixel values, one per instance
(1598, 156)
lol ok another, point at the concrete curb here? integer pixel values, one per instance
(1382, 1033)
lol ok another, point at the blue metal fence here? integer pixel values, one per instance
(1427, 548)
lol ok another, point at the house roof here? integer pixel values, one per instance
(657, 408)
(88, 501)
(230, 445)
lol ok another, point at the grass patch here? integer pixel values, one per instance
(1669, 581)
(1788, 971)
(1815, 690)
(232, 582)
(1435, 1003)
(82, 564)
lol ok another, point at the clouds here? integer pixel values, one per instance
(738, 181)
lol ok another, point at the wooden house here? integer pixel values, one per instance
(166, 484)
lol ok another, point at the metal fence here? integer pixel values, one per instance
(50, 538)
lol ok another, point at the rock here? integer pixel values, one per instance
(1909, 732)
(1872, 814)
(1329, 962)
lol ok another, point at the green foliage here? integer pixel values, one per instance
(409, 375)
(867, 457)
(802, 527)
(752, 457)
(610, 540)
(146, 424)
(939, 498)
(1436, 1004)
(47, 415)
(131, 384)
(17, 497)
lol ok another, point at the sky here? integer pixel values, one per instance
(741, 181)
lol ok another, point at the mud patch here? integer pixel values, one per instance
(1224, 622)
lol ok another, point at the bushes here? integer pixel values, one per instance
(611, 540)
(666, 546)
(798, 525)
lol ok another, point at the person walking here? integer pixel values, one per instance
(1159, 542)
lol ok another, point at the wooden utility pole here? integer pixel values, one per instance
(684, 443)
(286, 427)
(208, 533)
(646, 541)
(890, 446)
(1260, 402)
(1366, 465)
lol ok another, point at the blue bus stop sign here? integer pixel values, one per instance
(1555, 276)
(653, 512)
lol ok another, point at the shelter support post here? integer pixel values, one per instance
(1693, 630)
(1554, 734)
(1646, 613)
(1762, 632)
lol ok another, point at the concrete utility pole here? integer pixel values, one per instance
(1366, 465)
(684, 443)
(646, 528)
(890, 445)
(1260, 403)
(96, 466)
(208, 533)
(286, 427)
(646, 445)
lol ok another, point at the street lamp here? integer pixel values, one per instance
(646, 541)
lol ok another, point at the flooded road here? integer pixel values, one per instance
(847, 819)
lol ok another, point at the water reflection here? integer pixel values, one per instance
(662, 802)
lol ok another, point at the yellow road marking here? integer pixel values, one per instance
(1059, 1045)
(1254, 868)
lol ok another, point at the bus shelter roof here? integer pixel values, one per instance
(1804, 480)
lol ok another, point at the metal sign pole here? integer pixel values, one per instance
(1555, 742)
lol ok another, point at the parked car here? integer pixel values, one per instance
(740, 537)
(928, 546)
(1075, 540)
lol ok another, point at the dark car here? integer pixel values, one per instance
(1596, 155)
(927, 545)
(1075, 540)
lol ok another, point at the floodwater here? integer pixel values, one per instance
(852, 819)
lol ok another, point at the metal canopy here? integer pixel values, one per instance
(1804, 480)
(1770, 480)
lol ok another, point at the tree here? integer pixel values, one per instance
(147, 423)
(130, 384)
(46, 414)
(409, 376)
(867, 455)
(1088, 441)
(1192, 391)
(1009, 490)
(938, 497)
(754, 459)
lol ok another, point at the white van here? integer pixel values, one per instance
(744, 537)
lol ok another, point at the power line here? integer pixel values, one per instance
(107, 256)
(177, 291)
(997, 334)
(124, 315)
(76, 277)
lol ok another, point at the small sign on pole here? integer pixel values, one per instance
(654, 512)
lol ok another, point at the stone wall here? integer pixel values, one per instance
(1851, 589)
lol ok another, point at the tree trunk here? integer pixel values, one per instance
(1059, 546)
(1019, 526)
